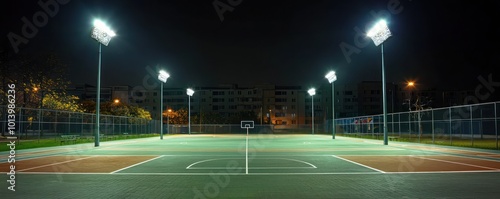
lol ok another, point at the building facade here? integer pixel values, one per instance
(278, 105)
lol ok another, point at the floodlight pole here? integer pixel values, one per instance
(189, 114)
(103, 35)
(333, 110)
(98, 100)
(161, 111)
(190, 93)
(312, 110)
(162, 76)
(312, 92)
(384, 97)
(331, 77)
(379, 33)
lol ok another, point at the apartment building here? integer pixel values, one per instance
(278, 105)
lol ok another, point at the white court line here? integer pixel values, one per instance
(262, 174)
(358, 164)
(312, 166)
(209, 168)
(136, 164)
(444, 172)
(199, 174)
(55, 163)
(459, 163)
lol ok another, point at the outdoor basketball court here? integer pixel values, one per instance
(253, 166)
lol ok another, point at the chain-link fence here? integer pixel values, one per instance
(469, 125)
(42, 123)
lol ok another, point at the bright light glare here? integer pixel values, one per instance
(102, 33)
(102, 26)
(190, 92)
(163, 76)
(331, 76)
(312, 92)
(379, 33)
(411, 83)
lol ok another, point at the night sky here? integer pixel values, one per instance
(445, 44)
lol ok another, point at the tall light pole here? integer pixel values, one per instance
(162, 76)
(190, 93)
(103, 35)
(379, 33)
(331, 79)
(312, 92)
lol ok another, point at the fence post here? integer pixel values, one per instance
(55, 124)
(470, 127)
(496, 125)
(432, 125)
(399, 124)
(69, 122)
(81, 125)
(449, 121)
(39, 123)
(20, 124)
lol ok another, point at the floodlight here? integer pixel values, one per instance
(102, 33)
(163, 76)
(379, 33)
(331, 76)
(312, 92)
(190, 92)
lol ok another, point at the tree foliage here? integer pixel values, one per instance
(56, 102)
(39, 79)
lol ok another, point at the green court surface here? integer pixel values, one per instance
(267, 166)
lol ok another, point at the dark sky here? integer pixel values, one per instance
(438, 43)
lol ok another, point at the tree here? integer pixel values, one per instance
(36, 76)
(67, 103)
(176, 117)
(116, 109)
(421, 104)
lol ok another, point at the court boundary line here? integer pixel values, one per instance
(459, 163)
(359, 164)
(52, 164)
(136, 164)
(267, 174)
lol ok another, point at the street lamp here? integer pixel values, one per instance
(379, 33)
(162, 76)
(312, 92)
(190, 93)
(103, 35)
(331, 79)
(410, 85)
(168, 123)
